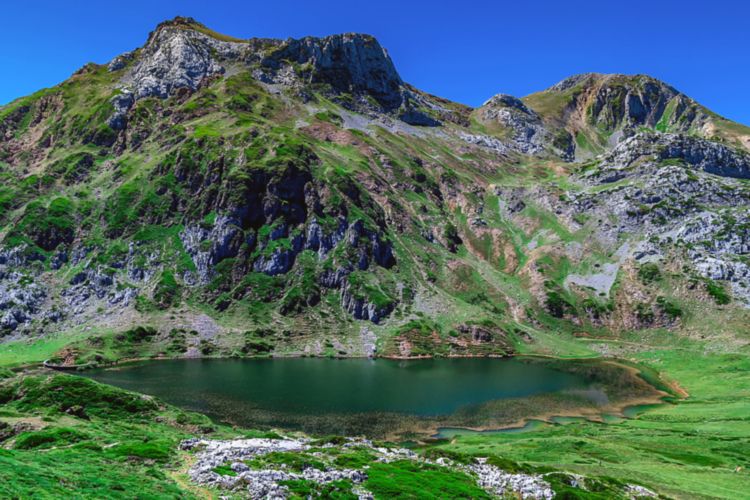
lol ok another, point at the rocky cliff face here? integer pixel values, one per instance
(301, 190)
(613, 101)
(350, 63)
(714, 158)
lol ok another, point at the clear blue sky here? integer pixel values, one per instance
(462, 50)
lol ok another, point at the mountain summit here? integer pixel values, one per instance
(182, 54)
(258, 196)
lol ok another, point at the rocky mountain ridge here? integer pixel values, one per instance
(600, 110)
(180, 56)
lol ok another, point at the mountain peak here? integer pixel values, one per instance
(598, 109)
(606, 79)
(184, 54)
(572, 81)
(181, 21)
(190, 24)
(180, 53)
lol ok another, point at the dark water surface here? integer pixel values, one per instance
(299, 391)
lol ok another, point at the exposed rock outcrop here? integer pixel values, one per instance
(21, 298)
(97, 284)
(360, 307)
(527, 133)
(224, 464)
(207, 247)
(712, 157)
(177, 56)
(674, 189)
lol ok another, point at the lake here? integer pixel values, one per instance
(377, 397)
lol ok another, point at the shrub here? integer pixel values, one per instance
(7, 393)
(137, 335)
(718, 292)
(48, 226)
(293, 460)
(435, 453)
(300, 297)
(256, 434)
(595, 308)
(669, 308)
(224, 470)
(333, 439)
(644, 312)
(372, 292)
(257, 346)
(120, 210)
(649, 272)
(206, 347)
(556, 304)
(303, 488)
(357, 459)
(167, 291)
(452, 238)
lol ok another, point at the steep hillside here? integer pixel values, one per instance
(255, 197)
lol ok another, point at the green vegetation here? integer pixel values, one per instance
(356, 459)
(408, 479)
(63, 393)
(688, 449)
(666, 117)
(363, 287)
(224, 470)
(292, 460)
(670, 308)
(649, 272)
(167, 291)
(718, 292)
(46, 226)
(88, 438)
(303, 489)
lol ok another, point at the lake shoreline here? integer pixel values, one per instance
(426, 427)
(124, 361)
